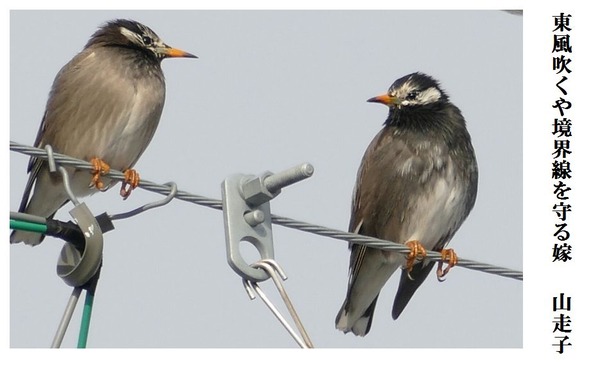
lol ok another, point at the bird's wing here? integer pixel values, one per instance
(38, 142)
(33, 167)
(376, 198)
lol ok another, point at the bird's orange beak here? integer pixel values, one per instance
(171, 52)
(384, 99)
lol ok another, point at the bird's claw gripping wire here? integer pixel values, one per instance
(132, 180)
(275, 272)
(416, 251)
(448, 255)
(99, 169)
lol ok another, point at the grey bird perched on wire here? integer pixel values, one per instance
(416, 185)
(104, 106)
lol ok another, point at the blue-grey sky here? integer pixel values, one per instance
(269, 90)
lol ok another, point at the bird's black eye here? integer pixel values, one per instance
(412, 95)
(146, 40)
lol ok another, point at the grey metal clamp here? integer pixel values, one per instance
(247, 214)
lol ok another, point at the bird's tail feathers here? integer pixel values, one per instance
(409, 285)
(360, 326)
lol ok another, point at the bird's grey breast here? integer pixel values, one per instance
(432, 200)
(144, 84)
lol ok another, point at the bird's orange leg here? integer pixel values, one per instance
(99, 168)
(132, 180)
(416, 250)
(448, 255)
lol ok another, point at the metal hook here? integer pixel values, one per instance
(276, 273)
(159, 203)
(272, 267)
(51, 162)
(63, 172)
(67, 185)
(278, 315)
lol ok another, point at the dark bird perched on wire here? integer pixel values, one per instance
(416, 185)
(104, 106)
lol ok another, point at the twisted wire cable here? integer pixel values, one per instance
(216, 204)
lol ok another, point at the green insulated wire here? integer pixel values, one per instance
(85, 319)
(28, 226)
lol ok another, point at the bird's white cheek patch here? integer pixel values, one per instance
(128, 34)
(427, 96)
(430, 95)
